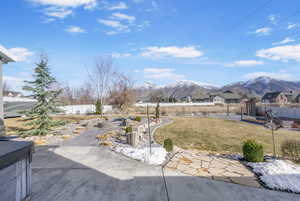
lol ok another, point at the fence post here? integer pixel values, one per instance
(241, 113)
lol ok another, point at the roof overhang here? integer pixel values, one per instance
(5, 56)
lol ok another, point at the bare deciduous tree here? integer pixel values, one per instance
(6, 88)
(122, 93)
(101, 77)
(77, 95)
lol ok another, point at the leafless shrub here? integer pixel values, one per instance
(291, 150)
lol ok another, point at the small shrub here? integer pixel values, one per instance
(157, 111)
(98, 107)
(168, 145)
(138, 118)
(253, 152)
(291, 149)
(128, 129)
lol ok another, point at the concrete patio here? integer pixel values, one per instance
(87, 172)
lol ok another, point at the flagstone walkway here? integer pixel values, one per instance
(212, 166)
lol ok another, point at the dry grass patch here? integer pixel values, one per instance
(220, 135)
(14, 125)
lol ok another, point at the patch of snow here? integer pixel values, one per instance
(263, 79)
(173, 104)
(157, 156)
(17, 99)
(150, 85)
(278, 174)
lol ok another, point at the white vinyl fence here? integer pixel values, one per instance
(173, 104)
(83, 109)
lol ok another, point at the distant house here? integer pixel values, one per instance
(186, 99)
(225, 97)
(275, 97)
(200, 98)
(291, 96)
(297, 98)
(12, 94)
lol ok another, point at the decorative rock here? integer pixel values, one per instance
(106, 143)
(185, 160)
(65, 137)
(40, 142)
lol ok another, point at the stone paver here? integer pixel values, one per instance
(214, 166)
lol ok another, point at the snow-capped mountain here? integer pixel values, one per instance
(256, 87)
(188, 83)
(261, 85)
(177, 89)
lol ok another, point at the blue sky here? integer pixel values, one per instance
(161, 41)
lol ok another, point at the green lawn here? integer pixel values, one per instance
(220, 135)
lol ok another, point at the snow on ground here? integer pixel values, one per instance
(278, 174)
(157, 156)
(173, 104)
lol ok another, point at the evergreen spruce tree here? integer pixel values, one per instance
(157, 111)
(41, 89)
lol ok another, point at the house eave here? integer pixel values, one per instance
(5, 56)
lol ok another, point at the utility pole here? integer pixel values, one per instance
(149, 129)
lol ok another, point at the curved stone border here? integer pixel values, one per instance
(169, 121)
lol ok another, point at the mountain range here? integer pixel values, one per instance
(253, 87)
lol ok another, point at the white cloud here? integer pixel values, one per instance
(114, 24)
(118, 55)
(264, 31)
(118, 6)
(272, 19)
(284, 41)
(291, 26)
(281, 53)
(19, 54)
(75, 29)
(57, 12)
(143, 25)
(63, 8)
(111, 33)
(173, 51)
(88, 4)
(122, 16)
(162, 73)
(274, 75)
(246, 63)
